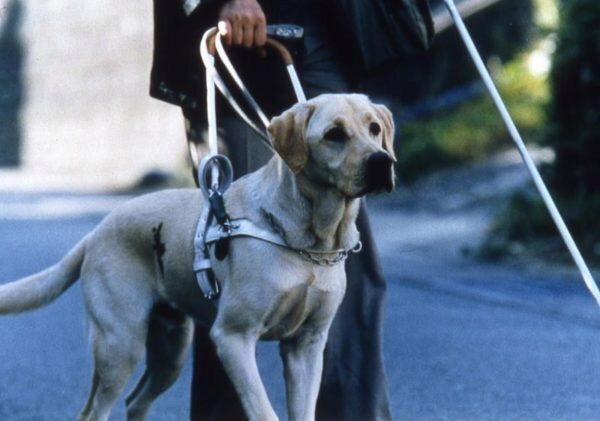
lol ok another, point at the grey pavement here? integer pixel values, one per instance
(464, 340)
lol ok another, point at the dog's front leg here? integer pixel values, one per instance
(303, 363)
(237, 352)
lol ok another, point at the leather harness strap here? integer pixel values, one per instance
(208, 233)
(215, 174)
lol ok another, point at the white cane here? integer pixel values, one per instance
(514, 133)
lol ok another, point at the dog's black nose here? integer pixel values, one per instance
(379, 172)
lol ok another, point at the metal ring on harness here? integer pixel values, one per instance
(206, 176)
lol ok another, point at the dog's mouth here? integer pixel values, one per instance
(369, 190)
(377, 176)
(378, 173)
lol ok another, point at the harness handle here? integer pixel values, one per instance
(210, 46)
(215, 46)
(281, 49)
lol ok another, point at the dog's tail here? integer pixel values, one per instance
(42, 288)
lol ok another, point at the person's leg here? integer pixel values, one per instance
(354, 385)
(213, 395)
(245, 149)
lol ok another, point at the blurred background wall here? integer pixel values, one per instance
(74, 105)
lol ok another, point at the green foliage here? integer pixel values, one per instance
(574, 112)
(562, 112)
(525, 227)
(546, 16)
(474, 129)
(573, 116)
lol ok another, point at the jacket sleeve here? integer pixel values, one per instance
(191, 5)
(177, 71)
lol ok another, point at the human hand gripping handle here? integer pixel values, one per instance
(243, 23)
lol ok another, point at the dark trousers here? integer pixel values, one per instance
(354, 385)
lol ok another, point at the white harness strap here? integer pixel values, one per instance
(208, 177)
(246, 228)
(215, 174)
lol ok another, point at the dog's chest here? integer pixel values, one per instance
(289, 313)
(306, 306)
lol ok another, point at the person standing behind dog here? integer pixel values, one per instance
(354, 384)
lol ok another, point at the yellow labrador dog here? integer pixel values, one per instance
(140, 290)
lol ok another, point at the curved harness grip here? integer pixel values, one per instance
(285, 54)
(281, 49)
(214, 46)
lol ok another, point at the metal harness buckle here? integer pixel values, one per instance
(211, 171)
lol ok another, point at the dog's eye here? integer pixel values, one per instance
(336, 134)
(374, 129)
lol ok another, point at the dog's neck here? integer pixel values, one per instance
(307, 214)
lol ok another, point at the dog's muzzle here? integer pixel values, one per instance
(379, 172)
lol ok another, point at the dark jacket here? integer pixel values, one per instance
(177, 73)
(385, 31)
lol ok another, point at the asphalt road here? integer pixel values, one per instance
(464, 340)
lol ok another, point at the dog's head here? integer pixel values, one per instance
(343, 141)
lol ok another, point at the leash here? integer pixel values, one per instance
(215, 172)
(212, 44)
(516, 137)
(287, 60)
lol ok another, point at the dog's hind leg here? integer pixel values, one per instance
(116, 355)
(85, 413)
(119, 311)
(170, 333)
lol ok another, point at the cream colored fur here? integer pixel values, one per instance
(268, 292)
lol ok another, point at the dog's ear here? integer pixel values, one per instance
(388, 129)
(288, 134)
